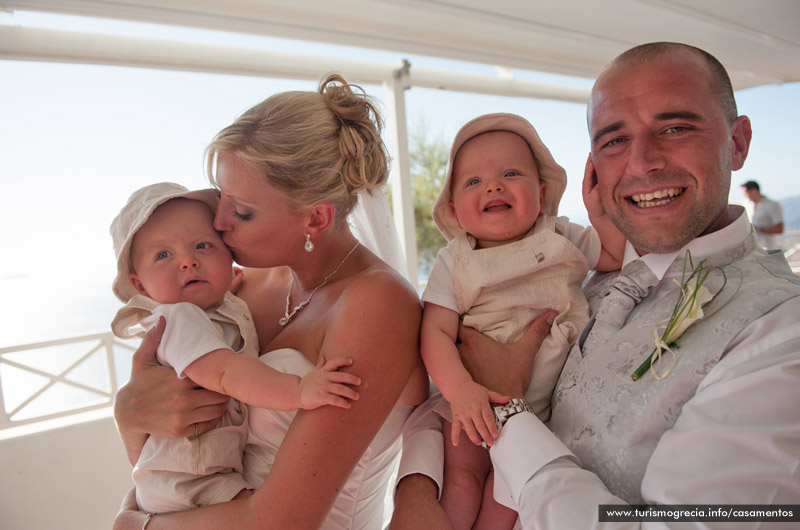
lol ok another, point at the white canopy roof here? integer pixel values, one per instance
(758, 41)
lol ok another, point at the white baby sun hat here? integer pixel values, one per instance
(140, 206)
(549, 171)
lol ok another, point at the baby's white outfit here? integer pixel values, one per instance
(499, 291)
(179, 474)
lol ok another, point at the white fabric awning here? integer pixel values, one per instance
(759, 42)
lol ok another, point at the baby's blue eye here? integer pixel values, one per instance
(473, 181)
(203, 246)
(511, 174)
(162, 255)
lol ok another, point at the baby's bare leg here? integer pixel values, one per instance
(493, 515)
(465, 469)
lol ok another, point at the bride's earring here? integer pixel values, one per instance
(309, 246)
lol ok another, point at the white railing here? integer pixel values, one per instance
(58, 378)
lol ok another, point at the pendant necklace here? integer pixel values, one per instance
(287, 316)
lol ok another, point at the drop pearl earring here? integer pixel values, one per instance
(309, 246)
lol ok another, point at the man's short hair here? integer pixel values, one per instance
(720, 81)
(751, 185)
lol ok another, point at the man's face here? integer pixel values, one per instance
(663, 151)
(751, 194)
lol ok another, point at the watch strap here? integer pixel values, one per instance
(503, 412)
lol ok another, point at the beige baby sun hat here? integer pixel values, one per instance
(549, 171)
(140, 206)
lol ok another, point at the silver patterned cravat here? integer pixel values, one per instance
(625, 291)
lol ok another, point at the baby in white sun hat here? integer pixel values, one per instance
(509, 258)
(171, 262)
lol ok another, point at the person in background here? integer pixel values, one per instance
(713, 421)
(767, 215)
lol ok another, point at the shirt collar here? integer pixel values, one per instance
(700, 247)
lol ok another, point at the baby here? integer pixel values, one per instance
(171, 262)
(508, 260)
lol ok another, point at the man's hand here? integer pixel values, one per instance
(505, 368)
(591, 194)
(611, 239)
(416, 506)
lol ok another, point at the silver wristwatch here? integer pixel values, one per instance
(503, 412)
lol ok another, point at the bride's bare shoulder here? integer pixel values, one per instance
(386, 307)
(382, 282)
(384, 340)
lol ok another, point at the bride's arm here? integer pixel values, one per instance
(378, 325)
(416, 390)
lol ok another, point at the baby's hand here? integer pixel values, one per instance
(325, 385)
(472, 410)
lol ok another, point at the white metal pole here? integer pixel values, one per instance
(402, 194)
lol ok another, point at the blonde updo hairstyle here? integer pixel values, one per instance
(312, 146)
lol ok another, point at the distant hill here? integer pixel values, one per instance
(791, 213)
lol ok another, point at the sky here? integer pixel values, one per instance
(76, 140)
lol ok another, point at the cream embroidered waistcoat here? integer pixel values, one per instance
(613, 423)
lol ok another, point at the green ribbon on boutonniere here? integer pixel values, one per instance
(688, 310)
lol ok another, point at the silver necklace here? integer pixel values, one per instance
(287, 316)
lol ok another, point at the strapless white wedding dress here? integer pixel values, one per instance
(360, 505)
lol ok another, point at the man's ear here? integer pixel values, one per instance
(742, 133)
(137, 283)
(320, 217)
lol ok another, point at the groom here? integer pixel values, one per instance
(716, 422)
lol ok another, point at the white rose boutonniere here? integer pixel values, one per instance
(688, 310)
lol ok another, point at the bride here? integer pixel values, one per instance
(290, 170)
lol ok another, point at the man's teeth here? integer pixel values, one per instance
(656, 198)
